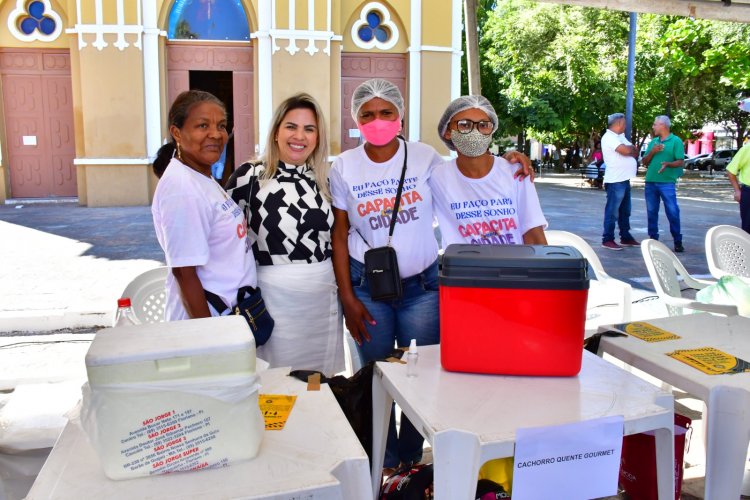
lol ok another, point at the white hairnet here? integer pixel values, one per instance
(462, 104)
(377, 87)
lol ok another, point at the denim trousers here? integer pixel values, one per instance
(414, 316)
(667, 192)
(617, 210)
(745, 208)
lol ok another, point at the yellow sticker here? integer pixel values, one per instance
(276, 409)
(646, 332)
(711, 361)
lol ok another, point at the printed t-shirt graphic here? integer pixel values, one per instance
(197, 224)
(367, 191)
(494, 210)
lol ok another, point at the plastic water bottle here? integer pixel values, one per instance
(125, 315)
(411, 359)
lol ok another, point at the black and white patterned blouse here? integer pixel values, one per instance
(290, 221)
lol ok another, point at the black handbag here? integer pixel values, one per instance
(252, 307)
(381, 263)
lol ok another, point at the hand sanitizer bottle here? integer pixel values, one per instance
(411, 359)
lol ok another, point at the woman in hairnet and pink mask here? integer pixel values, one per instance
(364, 182)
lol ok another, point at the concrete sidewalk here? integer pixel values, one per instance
(64, 266)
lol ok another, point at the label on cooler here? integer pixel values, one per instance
(171, 441)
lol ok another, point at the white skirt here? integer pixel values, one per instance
(303, 301)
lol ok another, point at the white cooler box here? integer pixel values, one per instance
(173, 396)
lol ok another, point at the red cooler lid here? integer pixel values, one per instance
(514, 266)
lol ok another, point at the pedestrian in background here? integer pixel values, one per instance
(739, 175)
(664, 158)
(620, 158)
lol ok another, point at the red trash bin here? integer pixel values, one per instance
(638, 462)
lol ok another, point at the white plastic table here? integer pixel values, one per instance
(727, 397)
(316, 456)
(469, 419)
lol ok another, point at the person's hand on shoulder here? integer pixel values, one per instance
(526, 170)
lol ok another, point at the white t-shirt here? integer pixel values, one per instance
(619, 167)
(494, 210)
(367, 190)
(198, 224)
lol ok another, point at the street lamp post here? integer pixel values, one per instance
(631, 76)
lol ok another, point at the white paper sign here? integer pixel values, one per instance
(28, 140)
(354, 133)
(574, 461)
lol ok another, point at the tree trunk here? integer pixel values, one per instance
(741, 131)
(472, 46)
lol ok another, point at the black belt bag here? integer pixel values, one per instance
(252, 307)
(381, 263)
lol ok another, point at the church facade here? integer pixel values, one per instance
(86, 84)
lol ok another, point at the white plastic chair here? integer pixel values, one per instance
(621, 290)
(728, 251)
(663, 268)
(148, 295)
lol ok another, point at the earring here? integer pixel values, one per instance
(179, 152)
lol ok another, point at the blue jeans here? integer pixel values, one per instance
(617, 210)
(414, 316)
(666, 191)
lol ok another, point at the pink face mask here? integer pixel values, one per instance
(380, 132)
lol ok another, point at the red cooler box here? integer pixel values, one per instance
(513, 309)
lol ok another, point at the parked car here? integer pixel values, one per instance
(721, 158)
(694, 162)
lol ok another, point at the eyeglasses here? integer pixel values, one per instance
(485, 127)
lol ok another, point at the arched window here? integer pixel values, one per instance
(374, 28)
(208, 20)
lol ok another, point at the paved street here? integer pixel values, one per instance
(703, 203)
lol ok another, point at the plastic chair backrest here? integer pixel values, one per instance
(564, 238)
(148, 295)
(728, 251)
(663, 268)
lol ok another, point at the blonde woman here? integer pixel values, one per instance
(287, 203)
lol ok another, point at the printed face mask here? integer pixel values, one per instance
(472, 144)
(380, 132)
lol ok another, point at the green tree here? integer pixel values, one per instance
(552, 69)
(555, 72)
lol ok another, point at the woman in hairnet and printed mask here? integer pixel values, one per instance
(476, 196)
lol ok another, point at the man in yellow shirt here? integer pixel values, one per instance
(739, 175)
